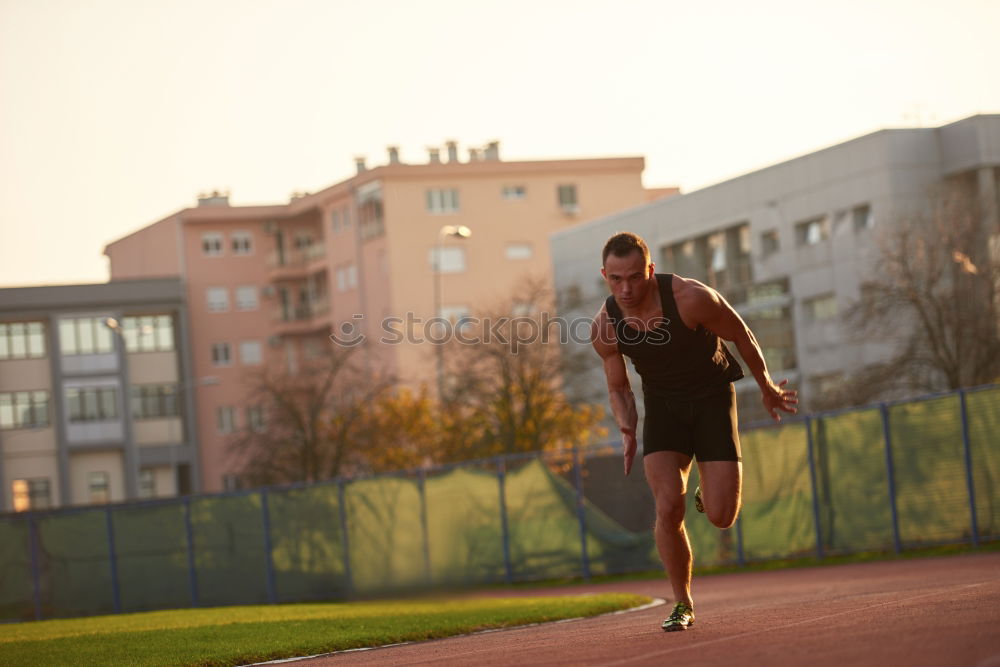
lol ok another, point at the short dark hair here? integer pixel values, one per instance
(623, 244)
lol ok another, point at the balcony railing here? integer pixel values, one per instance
(303, 311)
(297, 259)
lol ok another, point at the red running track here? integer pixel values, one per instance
(937, 611)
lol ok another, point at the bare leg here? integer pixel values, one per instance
(667, 474)
(721, 482)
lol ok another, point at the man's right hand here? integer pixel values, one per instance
(630, 446)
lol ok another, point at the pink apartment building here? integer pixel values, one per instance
(272, 282)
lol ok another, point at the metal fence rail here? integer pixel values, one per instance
(890, 476)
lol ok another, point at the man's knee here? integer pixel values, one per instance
(722, 517)
(669, 512)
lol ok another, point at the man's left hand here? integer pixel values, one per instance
(775, 397)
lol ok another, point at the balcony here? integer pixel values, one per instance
(296, 264)
(303, 318)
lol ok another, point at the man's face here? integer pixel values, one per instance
(628, 277)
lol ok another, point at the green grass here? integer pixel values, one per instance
(240, 635)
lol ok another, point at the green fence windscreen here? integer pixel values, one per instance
(819, 485)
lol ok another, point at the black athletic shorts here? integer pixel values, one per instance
(705, 429)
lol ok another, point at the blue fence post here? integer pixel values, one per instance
(192, 569)
(890, 472)
(113, 560)
(268, 561)
(501, 475)
(740, 558)
(969, 481)
(421, 486)
(815, 487)
(35, 566)
(581, 514)
(344, 539)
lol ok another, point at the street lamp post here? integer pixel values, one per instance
(448, 231)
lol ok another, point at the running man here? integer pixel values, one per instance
(672, 328)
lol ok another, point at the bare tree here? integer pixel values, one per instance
(312, 418)
(504, 389)
(936, 287)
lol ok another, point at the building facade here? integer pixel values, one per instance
(792, 245)
(95, 400)
(272, 283)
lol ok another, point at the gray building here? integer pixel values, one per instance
(791, 245)
(95, 400)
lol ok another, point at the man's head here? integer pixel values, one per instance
(624, 244)
(627, 268)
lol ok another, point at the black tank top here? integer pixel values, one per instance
(675, 362)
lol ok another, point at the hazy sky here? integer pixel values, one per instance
(115, 113)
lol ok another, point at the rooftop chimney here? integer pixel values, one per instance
(215, 198)
(452, 150)
(393, 154)
(435, 155)
(359, 162)
(493, 151)
(474, 155)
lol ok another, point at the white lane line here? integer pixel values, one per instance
(649, 605)
(647, 656)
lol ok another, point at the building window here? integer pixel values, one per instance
(255, 418)
(22, 340)
(225, 419)
(812, 232)
(347, 277)
(717, 249)
(246, 297)
(242, 243)
(821, 307)
(447, 260)
(221, 354)
(98, 487)
(152, 401)
(335, 220)
(231, 483)
(769, 243)
(303, 241)
(519, 251)
(85, 335)
(31, 494)
(250, 353)
(148, 333)
(218, 299)
(24, 409)
(863, 218)
(457, 315)
(567, 198)
(442, 201)
(345, 217)
(826, 382)
(89, 404)
(211, 244)
(147, 483)
(513, 192)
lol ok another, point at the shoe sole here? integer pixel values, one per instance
(677, 628)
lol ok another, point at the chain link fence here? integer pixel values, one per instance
(891, 476)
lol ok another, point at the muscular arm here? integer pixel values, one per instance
(602, 337)
(708, 308)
